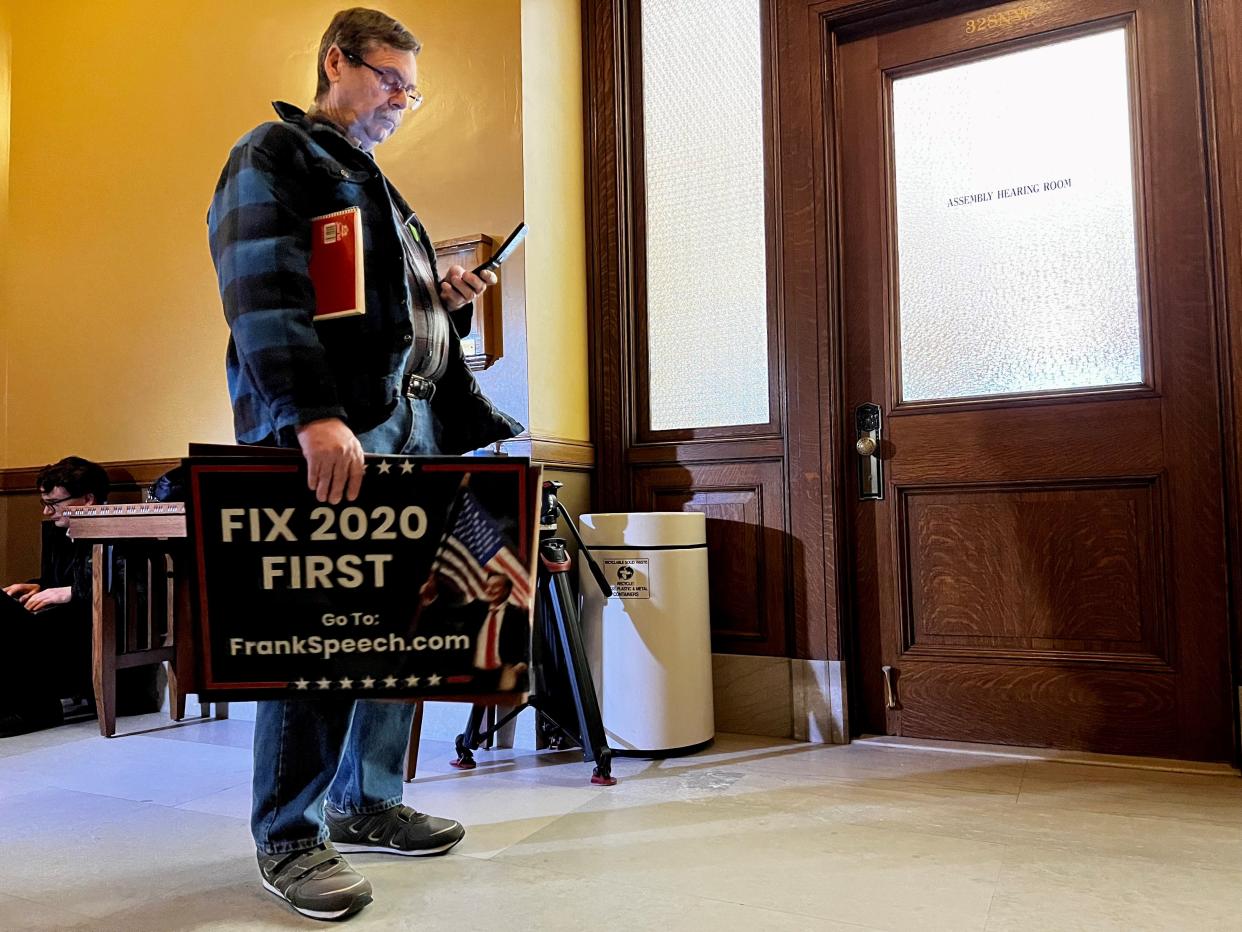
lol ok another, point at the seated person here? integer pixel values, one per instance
(56, 621)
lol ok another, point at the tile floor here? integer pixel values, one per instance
(148, 832)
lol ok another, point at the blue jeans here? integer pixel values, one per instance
(345, 751)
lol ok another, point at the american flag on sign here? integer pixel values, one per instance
(473, 549)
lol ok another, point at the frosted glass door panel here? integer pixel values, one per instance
(706, 253)
(1016, 243)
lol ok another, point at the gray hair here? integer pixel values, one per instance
(359, 30)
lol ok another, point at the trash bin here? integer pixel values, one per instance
(650, 644)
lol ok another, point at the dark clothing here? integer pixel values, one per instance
(45, 655)
(63, 631)
(285, 370)
(63, 563)
(49, 655)
(500, 641)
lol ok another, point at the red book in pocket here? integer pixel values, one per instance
(336, 264)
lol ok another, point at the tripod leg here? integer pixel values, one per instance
(590, 721)
(469, 740)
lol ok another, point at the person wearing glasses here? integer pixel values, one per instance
(31, 692)
(57, 620)
(328, 773)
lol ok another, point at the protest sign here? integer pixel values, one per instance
(422, 587)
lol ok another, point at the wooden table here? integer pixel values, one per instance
(155, 534)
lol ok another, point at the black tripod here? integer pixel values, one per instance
(562, 692)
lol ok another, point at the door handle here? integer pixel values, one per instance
(890, 687)
(867, 444)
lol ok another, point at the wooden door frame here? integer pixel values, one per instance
(1220, 65)
(808, 187)
(746, 468)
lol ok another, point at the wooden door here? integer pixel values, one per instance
(1027, 296)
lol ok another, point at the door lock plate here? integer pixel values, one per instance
(868, 445)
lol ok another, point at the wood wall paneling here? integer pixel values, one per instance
(746, 545)
(1221, 22)
(1035, 574)
(126, 475)
(1146, 703)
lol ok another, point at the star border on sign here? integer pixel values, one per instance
(368, 682)
(300, 683)
(433, 680)
(407, 467)
(324, 683)
(384, 468)
(411, 681)
(390, 681)
(346, 683)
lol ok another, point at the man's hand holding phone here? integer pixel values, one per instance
(460, 287)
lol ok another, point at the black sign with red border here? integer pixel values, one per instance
(422, 587)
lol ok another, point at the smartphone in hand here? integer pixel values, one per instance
(505, 250)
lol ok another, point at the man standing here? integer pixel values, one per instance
(327, 774)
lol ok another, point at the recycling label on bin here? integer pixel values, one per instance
(630, 579)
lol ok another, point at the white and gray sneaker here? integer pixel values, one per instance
(317, 882)
(399, 830)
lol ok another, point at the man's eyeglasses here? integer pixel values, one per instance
(389, 82)
(54, 503)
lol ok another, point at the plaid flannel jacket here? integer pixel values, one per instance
(283, 369)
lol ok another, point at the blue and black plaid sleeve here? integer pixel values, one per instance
(259, 230)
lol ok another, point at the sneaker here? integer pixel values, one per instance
(399, 830)
(317, 882)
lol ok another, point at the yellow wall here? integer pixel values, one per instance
(122, 115)
(4, 209)
(5, 100)
(555, 209)
(5, 96)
